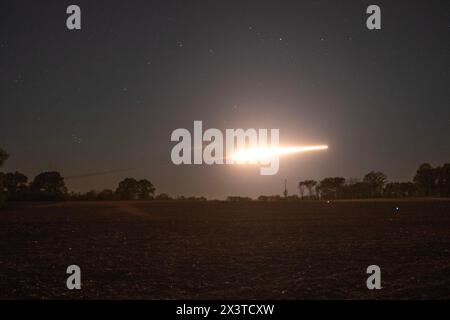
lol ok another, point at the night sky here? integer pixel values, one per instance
(100, 104)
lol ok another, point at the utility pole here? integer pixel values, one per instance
(285, 192)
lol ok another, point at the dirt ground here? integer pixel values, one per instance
(225, 250)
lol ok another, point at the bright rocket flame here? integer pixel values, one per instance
(255, 155)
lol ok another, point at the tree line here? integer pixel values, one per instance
(50, 186)
(428, 181)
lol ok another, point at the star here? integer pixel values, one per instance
(76, 139)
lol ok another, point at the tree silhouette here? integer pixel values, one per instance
(443, 180)
(3, 157)
(15, 185)
(131, 189)
(426, 179)
(301, 188)
(308, 185)
(48, 186)
(376, 181)
(331, 188)
(127, 189)
(145, 189)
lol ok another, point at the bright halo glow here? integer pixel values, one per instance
(263, 154)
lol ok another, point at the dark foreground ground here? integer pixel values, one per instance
(214, 250)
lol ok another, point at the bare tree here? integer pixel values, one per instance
(301, 188)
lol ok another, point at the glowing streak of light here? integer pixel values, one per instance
(263, 154)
